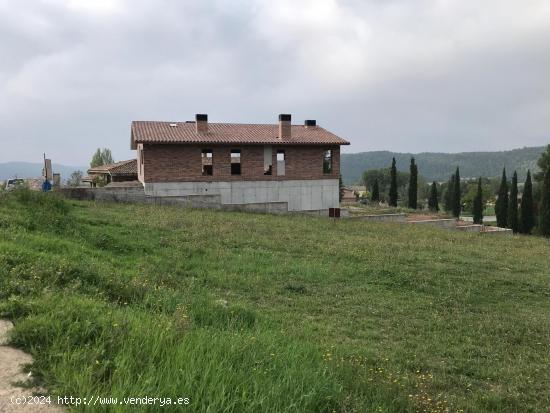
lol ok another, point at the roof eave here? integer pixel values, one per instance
(278, 142)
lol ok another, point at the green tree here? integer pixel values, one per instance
(433, 202)
(527, 210)
(448, 199)
(477, 208)
(513, 205)
(375, 193)
(501, 206)
(75, 179)
(456, 200)
(469, 193)
(393, 185)
(101, 157)
(413, 185)
(545, 205)
(544, 164)
(383, 176)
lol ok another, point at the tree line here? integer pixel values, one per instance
(525, 212)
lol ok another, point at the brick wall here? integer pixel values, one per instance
(182, 163)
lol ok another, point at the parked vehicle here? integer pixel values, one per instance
(12, 184)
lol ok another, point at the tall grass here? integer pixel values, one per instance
(248, 312)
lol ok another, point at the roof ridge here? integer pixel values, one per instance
(192, 122)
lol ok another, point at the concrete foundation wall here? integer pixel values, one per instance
(298, 195)
(137, 195)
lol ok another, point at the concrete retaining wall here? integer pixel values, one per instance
(443, 223)
(299, 195)
(137, 195)
(380, 218)
(470, 228)
(497, 231)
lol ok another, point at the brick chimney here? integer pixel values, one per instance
(201, 121)
(284, 126)
(310, 123)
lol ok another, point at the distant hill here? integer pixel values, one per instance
(33, 170)
(440, 166)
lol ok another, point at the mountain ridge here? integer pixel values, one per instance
(18, 169)
(438, 166)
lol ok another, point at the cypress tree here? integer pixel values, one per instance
(527, 211)
(449, 194)
(456, 201)
(393, 185)
(513, 206)
(501, 206)
(375, 195)
(545, 205)
(413, 185)
(478, 205)
(433, 202)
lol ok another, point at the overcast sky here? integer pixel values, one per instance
(402, 75)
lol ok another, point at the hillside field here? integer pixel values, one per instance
(259, 313)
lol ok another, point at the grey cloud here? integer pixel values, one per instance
(408, 76)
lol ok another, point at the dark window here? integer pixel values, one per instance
(235, 161)
(268, 160)
(327, 161)
(207, 164)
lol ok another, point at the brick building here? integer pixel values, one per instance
(292, 167)
(122, 171)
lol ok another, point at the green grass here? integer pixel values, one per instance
(248, 312)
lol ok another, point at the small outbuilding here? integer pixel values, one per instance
(349, 195)
(122, 171)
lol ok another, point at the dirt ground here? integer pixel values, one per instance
(11, 371)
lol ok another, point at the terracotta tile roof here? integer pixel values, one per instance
(230, 133)
(128, 167)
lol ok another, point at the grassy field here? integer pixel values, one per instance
(258, 313)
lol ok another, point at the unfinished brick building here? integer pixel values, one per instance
(277, 167)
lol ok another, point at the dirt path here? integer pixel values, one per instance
(11, 370)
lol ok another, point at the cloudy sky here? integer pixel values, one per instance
(402, 75)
